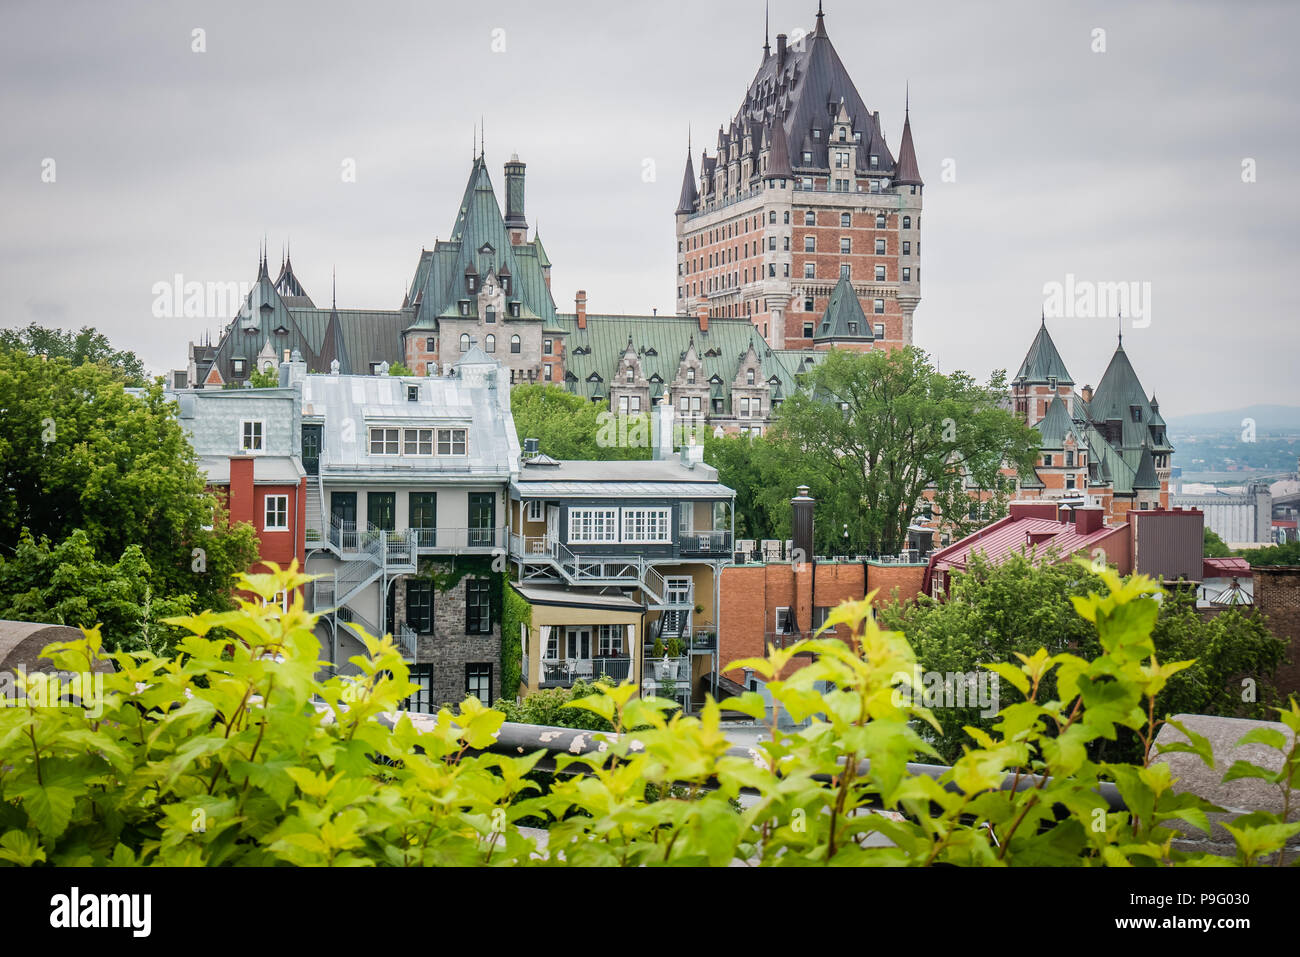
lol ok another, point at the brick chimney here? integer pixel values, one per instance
(702, 313)
(1088, 519)
(1086, 392)
(580, 305)
(780, 51)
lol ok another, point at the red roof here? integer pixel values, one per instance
(1016, 534)
(1225, 568)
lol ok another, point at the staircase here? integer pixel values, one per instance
(315, 520)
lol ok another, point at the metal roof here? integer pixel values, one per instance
(689, 490)
(563, 596)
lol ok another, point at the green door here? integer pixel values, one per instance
(381, 510)
(311, 449)
(482, 519)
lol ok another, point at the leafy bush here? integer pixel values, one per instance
(233, 752)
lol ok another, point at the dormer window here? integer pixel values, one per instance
(514, 310)
(629, 375)
(875, 161)
(749, 377)
(690, 376)
(490, 315)
(817, 133)
(1051, 382)
(471, 283)
(464, 307)
(1137, 412)
(412, 393)
(505, 284)
(237, 366)
(844, 134)
(807, 157)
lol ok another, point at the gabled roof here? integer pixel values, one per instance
(1043, 361)
(844, 318)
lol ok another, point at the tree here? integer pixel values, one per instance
(268, 379)
(1288, 554)
(995, 612)
(741, 467)
(78, 348)
(79, 452)
(398, 369)
(874, 431)
(568, 426)
(1215, 547)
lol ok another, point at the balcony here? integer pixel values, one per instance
(444, 540)
(706, 543)
(563, 672)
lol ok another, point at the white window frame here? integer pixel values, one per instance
(414, 442)
(609, 641)
(779, 620)
(245, 436)
(647, 526)
(535, 510)
(451, 441)
(267, 513)
(383, 442)
(593, 526)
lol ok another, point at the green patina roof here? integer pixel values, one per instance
(661, 343)
(1043, 361)
(1115, 397)
(844, 318)
(1055, 425)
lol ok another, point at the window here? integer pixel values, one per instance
(841, 156)
(277, 514)
(424, 510)
(880, 220)
(383, 441)
(237, 366)
(535, 510)
(853, 328)
(490, 343)
(609, 641)
(514, 309)
(376, 368)
(412, 393)
(464, 307)
(749, 377)
(907, 222)
(252, 436)
(785, 269)
(807, 330)
(548, 346)
(875, 186)
(809, 270)
(842, 185)
(593, 525)
(771, 217)
(880, 274)
(810, 218)
(907, 274)
(1051, 383)
(1069, 458)
(771, 244)
(846, 220)
(430, 344)
(879, 330)
(690, 376)
(806, 183)
(878, 306)
(471, 282)
(478, 606)
(431, 368)
(490, 315)
(784, 623)
(417, 442)
(464, 342)
(880, 247)
(807, 157)
(846, 245)
(1047, 459)
(817, 133)
(845, 271)
(787, 217)
(478, 682)
(875, 159)
(645, 525)
(419, 605)
(1137, 412)
(514, 345)
(810, 244)
(546, 372)
(786, 242)
(907, 249)
(743, 411)
(451, 441)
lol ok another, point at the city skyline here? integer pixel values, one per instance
(170, 161)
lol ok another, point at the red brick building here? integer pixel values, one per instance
(803, 221)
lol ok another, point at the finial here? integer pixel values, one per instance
(1119, 326)
(907, 98)
(334, 283)
(767, 16)
(1043, 315)
(482, 137)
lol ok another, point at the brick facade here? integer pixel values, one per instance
(1277, 595)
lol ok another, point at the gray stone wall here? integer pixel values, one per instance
(449, 648)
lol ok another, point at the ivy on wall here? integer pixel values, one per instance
(515, 611)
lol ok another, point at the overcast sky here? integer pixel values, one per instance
(1122, 165)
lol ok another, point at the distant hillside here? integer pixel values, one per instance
(1268, 418)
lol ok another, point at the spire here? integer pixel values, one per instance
(778, 157)
(334, 284)
(690, 195)
(821, 25)
(261, 262)
(906, 172)
(767, 16)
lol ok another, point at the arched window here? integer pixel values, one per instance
(690, 376)
(810, 218)
(907, 222)
(629, 375)
(749, 377)
(491, 343)
(514, 345)
(464, 342)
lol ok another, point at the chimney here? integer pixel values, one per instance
(1088, 519)
(580, 304)
(702, 314)
(532, 447)
(515, 221)
(661, 431)
(801, 526)
(1086, 393)
(780, 51)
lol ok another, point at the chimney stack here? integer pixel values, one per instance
(702, 314)
(1087, 519)
(580, 304)
(780, 51)
(515, 221)
(801, 527)
(1086, 392)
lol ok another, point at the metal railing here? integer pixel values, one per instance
(450, 539)
(563, 672)
(715, 542)
(407, 640)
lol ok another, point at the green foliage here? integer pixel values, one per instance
(553, 707)
(76, 348)
(1215, 547)
(398, 368)
(1288, 554)
(515, 611)
(996, 613)
(268, 379)
(80, 453)
(908, 431)
(233, 752)
(571, 427)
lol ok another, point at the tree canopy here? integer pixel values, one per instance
(81, 454)
(568, 426)
(77, 348)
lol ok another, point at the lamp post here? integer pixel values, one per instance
(846, 539)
